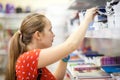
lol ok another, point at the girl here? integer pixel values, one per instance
(30, 48)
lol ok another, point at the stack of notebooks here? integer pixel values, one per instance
(78, 71)
(111, 64)
(111, 68)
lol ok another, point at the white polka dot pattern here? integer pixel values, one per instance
(26, 67)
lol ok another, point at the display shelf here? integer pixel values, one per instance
(9, 24)
(3, 59)
(13, 20)
(85, 4)
(80, 71)
(100, 33)
(103, 33)
(98, 28)
(13, 15)
(3, 52)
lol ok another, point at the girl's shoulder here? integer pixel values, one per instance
(31, 52)
(29, 55)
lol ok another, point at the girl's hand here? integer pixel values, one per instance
(90, 14)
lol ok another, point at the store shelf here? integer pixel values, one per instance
(9, 23)
(3, 52)
(86, 71)
(109, 29)
(13, 20)
(103, 33)
(85, 4)
(13, 15)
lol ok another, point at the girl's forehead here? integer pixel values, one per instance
(48, 23)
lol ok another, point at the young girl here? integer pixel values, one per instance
(30, 48)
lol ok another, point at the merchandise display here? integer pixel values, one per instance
(102, 50)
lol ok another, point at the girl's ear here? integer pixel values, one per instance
(37, 35)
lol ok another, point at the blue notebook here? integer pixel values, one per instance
(111, 69)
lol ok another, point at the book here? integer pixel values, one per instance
(85, 71)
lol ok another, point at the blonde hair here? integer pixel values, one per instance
(33, 22)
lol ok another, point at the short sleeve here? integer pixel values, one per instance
(26, 65)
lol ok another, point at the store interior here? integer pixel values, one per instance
(97, 57)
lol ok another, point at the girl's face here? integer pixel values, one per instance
(47, 35)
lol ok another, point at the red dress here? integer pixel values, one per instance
(26, 67)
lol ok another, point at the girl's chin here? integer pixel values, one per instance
(49, 46)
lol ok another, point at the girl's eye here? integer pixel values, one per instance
(50, 30)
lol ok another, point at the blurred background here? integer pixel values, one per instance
(102, 39)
